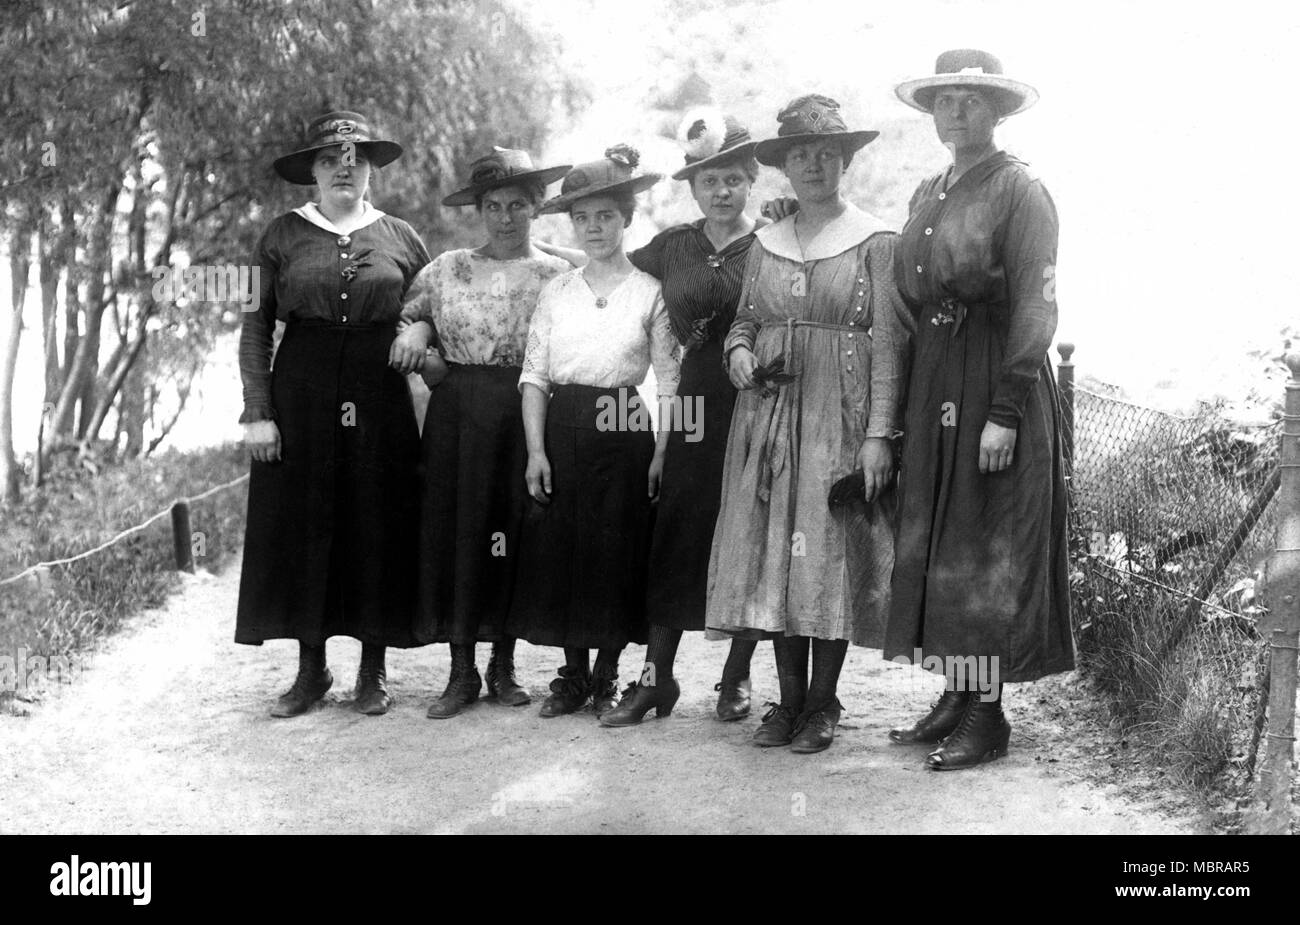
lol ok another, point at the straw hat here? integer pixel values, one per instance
(611, 176)
(503, 167)
(809, 118)
(968, 67)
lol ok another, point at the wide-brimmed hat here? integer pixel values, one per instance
(328, 130)
(809, 118)
(968, 67)
(503, 167)
(610, 176)
(709, 138)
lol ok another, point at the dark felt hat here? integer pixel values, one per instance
(968, 67)
(610, 176)
(503, 167)
(710, 139)
(328, 130)
(809, 118)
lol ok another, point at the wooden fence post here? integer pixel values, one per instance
(181, 537)
(1271, 809)
(1065, 382)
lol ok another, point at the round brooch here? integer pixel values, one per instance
(601, 303)
(714, 261)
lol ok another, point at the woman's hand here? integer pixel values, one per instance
(656, 476)
(779, 208)
(406, 355)
(262, 439)
(434, 370)
(575, 258)
(997, 445)
(740, 367)
(537, 475)
(876, 460)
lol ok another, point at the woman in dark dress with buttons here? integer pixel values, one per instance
(981, 572)
(331, 535)
(700, 265)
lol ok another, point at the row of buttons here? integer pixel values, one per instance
(343, 255)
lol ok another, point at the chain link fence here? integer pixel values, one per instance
(1172, 520)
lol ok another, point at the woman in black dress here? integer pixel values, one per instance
(700, 265)
(330, 542)
(478, 302)
(981, 579)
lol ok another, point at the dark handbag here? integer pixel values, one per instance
(853, 486)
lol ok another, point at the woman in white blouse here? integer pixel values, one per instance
(593, 466)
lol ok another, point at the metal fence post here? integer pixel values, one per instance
(1065, 382)
(1272, 805)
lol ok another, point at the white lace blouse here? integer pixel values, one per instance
(573, 341)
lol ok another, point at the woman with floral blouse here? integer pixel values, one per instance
(477, 303)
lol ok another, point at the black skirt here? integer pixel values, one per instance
(331, 537)
(582, 557)
(691, 493)
(472, 496)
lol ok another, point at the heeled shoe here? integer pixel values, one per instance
(463, 686)
(982, 735)
(638, 700)
(733, 700)
(569, 692)
(306, 690)
(931, 729)
(814, 730)
(501, 682)
(777, 728)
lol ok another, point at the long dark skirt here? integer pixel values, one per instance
(582, 569)
(472, 458)
(331, 536)
(691, 494)
(981, 564)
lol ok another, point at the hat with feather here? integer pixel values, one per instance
(711, 139)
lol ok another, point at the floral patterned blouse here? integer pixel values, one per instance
(479, 306)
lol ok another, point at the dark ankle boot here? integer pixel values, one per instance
(372, 688)
(777, 728)
(931, 729)
(569, 692)
(733, 699)
(982, 735)
(501, 682)
(814, 730)
(463, 685)
(639, 699)
(604, 689)
(313, 680)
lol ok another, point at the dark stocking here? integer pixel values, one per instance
(606, 663)
(792, 670)
(737, 666)
(661, 653)
(827, 660)
(311, 660)
(577, 658)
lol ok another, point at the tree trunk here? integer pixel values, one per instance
(85, 364)
(20, 261)
(50, 270)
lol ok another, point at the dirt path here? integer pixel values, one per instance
(166, 731)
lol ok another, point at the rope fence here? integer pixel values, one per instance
(179, 511)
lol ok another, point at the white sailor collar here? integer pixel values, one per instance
(849, 230)
(312, 213)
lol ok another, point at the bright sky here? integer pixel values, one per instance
(1157, 134)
